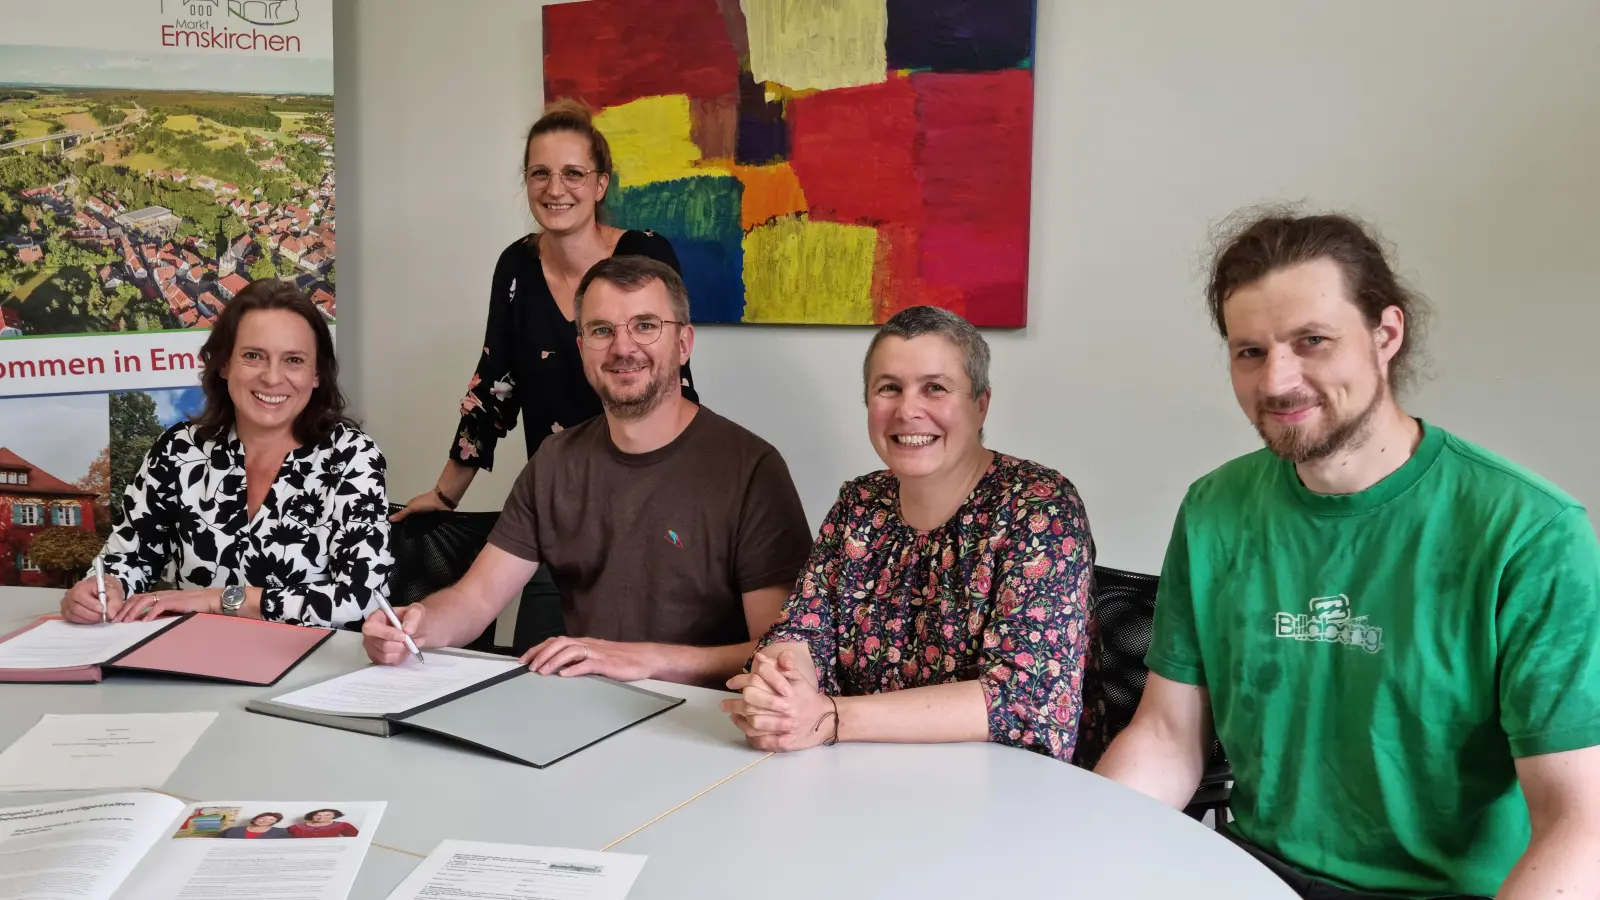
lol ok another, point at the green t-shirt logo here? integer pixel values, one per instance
(1330, 622)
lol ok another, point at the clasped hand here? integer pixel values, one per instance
(780, 707)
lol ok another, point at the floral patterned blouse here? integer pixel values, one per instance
(999, 594)
(530, 363)
(318, 546)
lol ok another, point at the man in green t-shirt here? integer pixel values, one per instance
(1396, 633)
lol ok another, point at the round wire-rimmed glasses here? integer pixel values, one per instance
(573, 177)
(645, 329)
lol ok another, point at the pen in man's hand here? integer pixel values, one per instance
(395, 621)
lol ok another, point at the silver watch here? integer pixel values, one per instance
(232, 599)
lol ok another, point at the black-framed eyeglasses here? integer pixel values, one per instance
(571, 176)
(644, 329)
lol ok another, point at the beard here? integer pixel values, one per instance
(641, 404)
(1303, 444)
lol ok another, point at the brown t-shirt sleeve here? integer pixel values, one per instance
(774, 539)
(517, 530)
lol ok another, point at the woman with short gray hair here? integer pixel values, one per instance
(947, 596)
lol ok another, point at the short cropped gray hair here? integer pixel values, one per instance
(631, 273)
(916, 321)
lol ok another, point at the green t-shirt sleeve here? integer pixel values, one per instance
(1549, 631)
(1174, 649)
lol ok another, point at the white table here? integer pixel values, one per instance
(957, 820)
(716, 818)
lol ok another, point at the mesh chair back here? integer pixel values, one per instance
(433, 550)
(1124, 608)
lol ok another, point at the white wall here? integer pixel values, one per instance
(1465, 129)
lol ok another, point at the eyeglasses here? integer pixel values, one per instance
(643, 329)
(571, 176)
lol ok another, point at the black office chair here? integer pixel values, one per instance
(1124, 606)
(433, 550)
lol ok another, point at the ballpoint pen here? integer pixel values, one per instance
(100, 580)
(395, 621)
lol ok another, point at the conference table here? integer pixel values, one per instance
(715, 818)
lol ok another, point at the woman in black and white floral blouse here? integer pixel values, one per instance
(270, 505)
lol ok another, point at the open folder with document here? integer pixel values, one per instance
(198, 645)
(492, 703)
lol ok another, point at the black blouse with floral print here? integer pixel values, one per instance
(318, 546)
(530, 358)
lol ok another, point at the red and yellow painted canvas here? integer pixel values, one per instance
(816, 161)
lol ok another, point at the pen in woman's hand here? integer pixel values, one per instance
(100, 582)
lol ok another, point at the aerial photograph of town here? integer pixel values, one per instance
(124, 209)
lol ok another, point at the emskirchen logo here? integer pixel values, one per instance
(1330, 622)
(265, 12)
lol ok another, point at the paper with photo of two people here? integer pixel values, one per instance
(146, 846)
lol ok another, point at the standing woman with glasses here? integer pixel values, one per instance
(530, 362)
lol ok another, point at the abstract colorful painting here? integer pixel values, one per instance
(816, 161)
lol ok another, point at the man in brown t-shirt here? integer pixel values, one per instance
(674, 535)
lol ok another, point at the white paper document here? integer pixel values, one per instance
(380, 690)
(469, 870)
(57, 644)
(78, 849)
(110, 751)
(137, 846)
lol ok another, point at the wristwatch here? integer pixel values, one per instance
(232, 599)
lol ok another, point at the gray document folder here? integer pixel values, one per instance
(538, 719)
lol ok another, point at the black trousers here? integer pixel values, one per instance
(1306, 886)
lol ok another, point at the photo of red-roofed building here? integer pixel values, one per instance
(32, 500)
(230, 286)
(325, 302)
(181, 305)
(210, 307)
(314, 262)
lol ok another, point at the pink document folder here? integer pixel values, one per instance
(199, 645)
